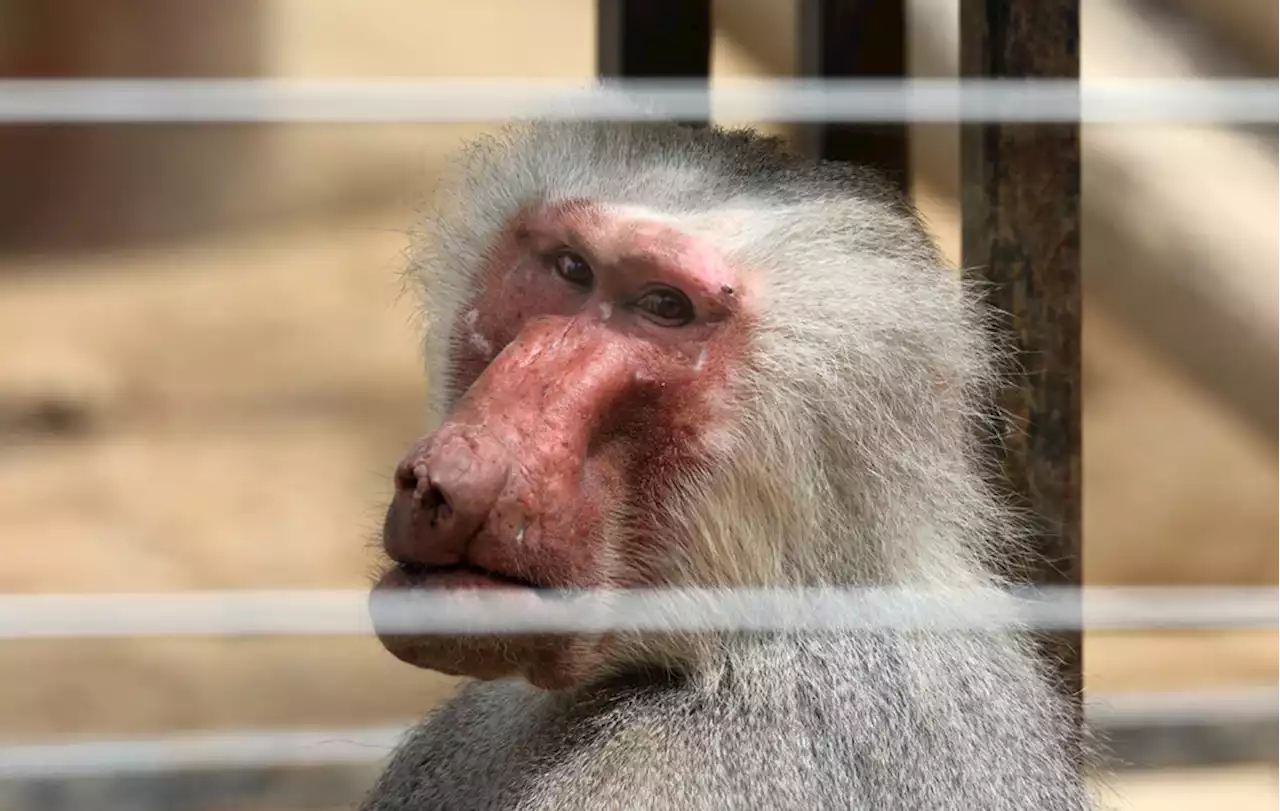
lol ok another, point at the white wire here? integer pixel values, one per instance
(368, 745)
(233, 749)
(1168, 709)
(481, 100)
(309, 613)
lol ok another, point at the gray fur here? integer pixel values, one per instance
(852, 460)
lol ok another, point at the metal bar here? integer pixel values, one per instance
(258, 785)
(1020, 189)
(442, 101)
(858, 39)
(319, 613)
(655, 39)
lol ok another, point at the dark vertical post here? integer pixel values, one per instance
(654, 39)
(857, 39)
(1021, 233)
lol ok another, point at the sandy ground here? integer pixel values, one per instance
(224, 412)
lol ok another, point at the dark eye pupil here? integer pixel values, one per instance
(573, 269)
(668, 306)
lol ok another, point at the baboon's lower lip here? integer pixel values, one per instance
(459, 576)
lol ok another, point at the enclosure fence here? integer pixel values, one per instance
(237, 614)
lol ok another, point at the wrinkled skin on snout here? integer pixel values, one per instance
(590, 366)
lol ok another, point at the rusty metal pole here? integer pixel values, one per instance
(654, 40)
(1020, 186)
(857, 39)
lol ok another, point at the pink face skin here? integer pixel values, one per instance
(590, 365)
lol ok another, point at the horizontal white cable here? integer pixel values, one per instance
(233, 749)
(482, 100)
(251, 613)
(1194, 707)
(264, 749)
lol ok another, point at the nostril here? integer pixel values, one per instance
(435, 505)
(406, 479)
(445, 490)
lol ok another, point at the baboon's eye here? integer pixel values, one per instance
(573, 269)
(666, 306)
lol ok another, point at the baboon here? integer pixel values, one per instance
(669, 356)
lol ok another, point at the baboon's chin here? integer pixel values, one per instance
(548, 662)
(474, 657)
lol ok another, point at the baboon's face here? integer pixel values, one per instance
(588, 371)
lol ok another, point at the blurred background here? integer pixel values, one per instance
(208, 368)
